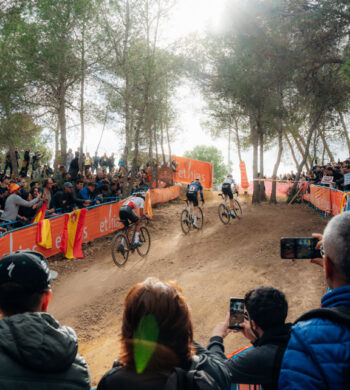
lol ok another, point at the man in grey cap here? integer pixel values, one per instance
(36, 352)
(66, 200)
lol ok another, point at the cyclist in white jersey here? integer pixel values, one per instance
(226, 189)
(127, 213)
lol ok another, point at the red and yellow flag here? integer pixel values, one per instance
(40, 215)
(73, 234)
(43, 234)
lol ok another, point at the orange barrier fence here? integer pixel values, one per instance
(99, 221)
(328, 200)
(281, 188)
(188, 170)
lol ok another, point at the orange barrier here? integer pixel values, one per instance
(165, 194)
(327, 199)
(99, 221)
(244, 177)
(188, 169)
(281, 188)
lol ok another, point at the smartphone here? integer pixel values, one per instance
(299, 248)
(236, 313)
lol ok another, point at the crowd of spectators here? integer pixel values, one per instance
(158, 350)
(66, 189)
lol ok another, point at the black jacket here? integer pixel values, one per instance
(261, 364)
(123, 379)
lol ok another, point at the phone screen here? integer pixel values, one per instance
(236, 313)
(299, 248)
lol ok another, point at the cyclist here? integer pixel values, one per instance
(127, 214)
(226, 189)
(192, 196)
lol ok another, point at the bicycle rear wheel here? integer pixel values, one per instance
(224, 214)
(185, 221)
(120, 249)
(200, 219)
(237, 209)
(145, 239)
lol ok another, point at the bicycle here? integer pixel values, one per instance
(123, 243)
(225, 213)
(187, 218)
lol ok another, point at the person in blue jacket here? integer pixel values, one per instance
(318, 352)
(192, 196)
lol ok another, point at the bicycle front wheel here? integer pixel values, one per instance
(200, 218)
(224, 214)
(120, 249)
(185, 221)
(145, 240)
(237, 209)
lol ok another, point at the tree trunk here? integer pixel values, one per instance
(63, 122)
(273, 198)
(331, 157)
(291, 150)
(82, 88)
(238, 140)
(261, 144)
(301, 151)
(345, 130)
(157, 158)
(255, 142)
(57, 134)
(313, 127)
(229, 150)
(13, 159)
(309, 159)
(162, 143)
(323, 153)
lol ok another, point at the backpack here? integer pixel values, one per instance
(192, 379)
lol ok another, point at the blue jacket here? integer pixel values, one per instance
(194, 187)
(318, 353)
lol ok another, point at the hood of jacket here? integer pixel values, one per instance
(278, 336)
(38, 342)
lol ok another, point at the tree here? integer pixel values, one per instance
(213, 155)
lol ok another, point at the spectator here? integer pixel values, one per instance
(26, 214)
(13, 202)
(65, 201)
(89, 193)
(36, 351)
(87, 163)
(95, 163)
(74, 167)
(69, 159)
(110, 162)
(8, 163)
(156, 338)
(317, 356)
(48, 195)
(4, 190)
(25, 163)
(265, 327)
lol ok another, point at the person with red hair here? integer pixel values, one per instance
(157, 347)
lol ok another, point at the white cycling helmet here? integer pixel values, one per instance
(229, 176)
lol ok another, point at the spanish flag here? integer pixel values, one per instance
(40, 215)
(73, 234)
(43, 234)
(148, 204)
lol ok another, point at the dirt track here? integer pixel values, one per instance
(210, 266)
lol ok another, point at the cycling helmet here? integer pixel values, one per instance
(229, 176)
(140, 195)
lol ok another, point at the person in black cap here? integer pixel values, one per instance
(35, 350)
(66, 201)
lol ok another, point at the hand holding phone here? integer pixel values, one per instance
(299, 248)
(236, 313)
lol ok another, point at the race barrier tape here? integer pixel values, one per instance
(100, 220)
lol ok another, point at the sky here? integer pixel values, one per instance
(187, 17)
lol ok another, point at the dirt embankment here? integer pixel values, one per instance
(209, 265)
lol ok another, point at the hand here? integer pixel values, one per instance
(222, 328)
(39, 195)
(318, 261)
(247, 331)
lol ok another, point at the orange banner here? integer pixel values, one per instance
(188, 170)
(99, 221)
(244, 177)
(320, 197)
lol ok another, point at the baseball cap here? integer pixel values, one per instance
(13, 187)
(68, 184)
(29, 269)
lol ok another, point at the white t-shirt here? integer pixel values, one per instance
(229, 181)
(134, 202)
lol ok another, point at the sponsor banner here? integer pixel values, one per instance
(99, 221)
(327, 180)
(244, 177)
(346, 179)
(188, 170)
(336, 201)
(165, 175)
